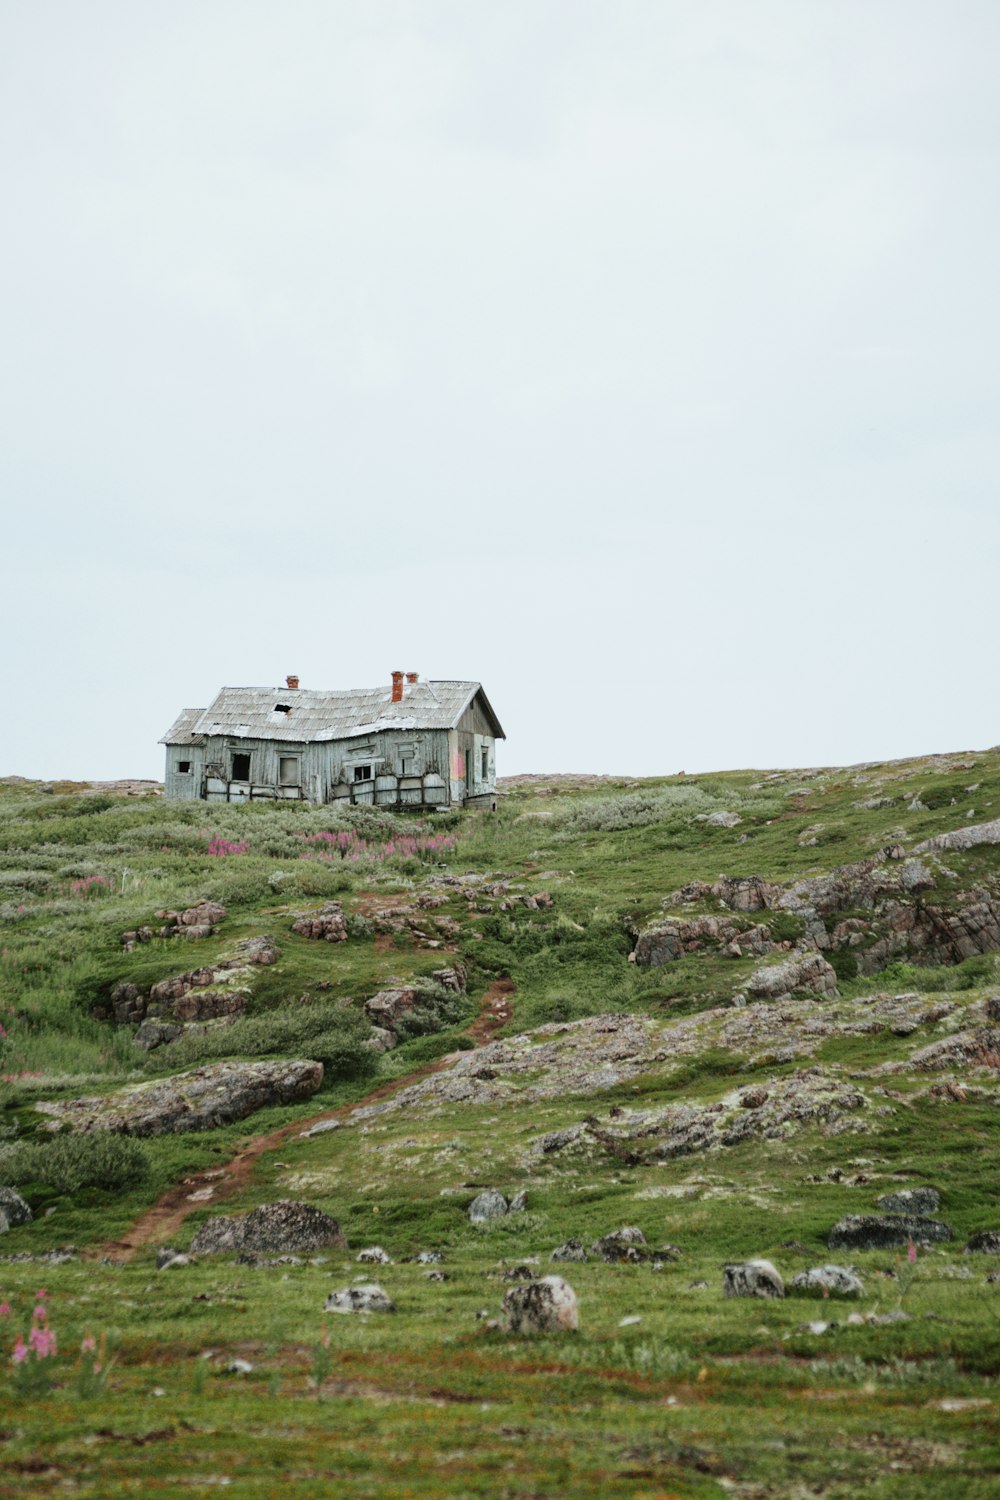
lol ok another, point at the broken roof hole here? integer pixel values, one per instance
(282, 708)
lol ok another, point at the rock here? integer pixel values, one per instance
(239, 1367)
(521, 1272)
(838, 1280)
(258, 950)
(963, 838)
(13, 1210)
(369, 1297)
(323, 1127)
(977, 1048)
(387, 1007)
(153, 1034)
(752, 1278)
(986, 1242)
(328, 925)
(373, 1255)
(380, 1040)
(886, 1232)
(518, 1203)
(545, 1306)
(806, 971)
(571, 1250)
(555, 1140)
(673, 937)
(274, 1228)
(429, 1258)
(919, 1200)
(202, 1099)
(453, 978)
(621, 1245)
(490, 1204)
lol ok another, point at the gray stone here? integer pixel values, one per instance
(369, 1297)
(490, 1204)
(518, 1203)
(752, 1278)
(840, 1281)
(13, 1210)
(622, 1245)
(273, 1228)
(886, 1231)
(571, 1250)
(919, 1200)
(373, 1255)
(803, 971)
(986, 1242)
(545, 1306)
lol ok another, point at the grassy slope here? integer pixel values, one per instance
(703, 1396)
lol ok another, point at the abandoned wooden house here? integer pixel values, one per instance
(414, 744)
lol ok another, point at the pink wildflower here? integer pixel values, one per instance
(4, 1309)
(911, 1253)
(89, 1344)
(20, 1351)
(43, 1341)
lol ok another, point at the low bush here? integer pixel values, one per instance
(68, 1163)
(328, 1033)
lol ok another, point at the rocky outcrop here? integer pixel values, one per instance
(752, 1278)
(672, 938)
(978, 1048)
(328, 925)
(387, 1008)
(986, 1242)
(963, 838)
(801, 971)
(491, 1204)
(13, 1210)
(229, 980)
(281, 1228)
(622, 1245)
(886, 1232)
(198, 921)
(548, 1305)
(202, 1099)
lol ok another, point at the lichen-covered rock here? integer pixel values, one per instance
(886, 1231)
(387, 1008)
(752, 1278)
(986, 1242)
(548, 1305)
(368, 1297)
(918, 1200)
(801, 971)
(622, 1245)
(13, 1210)
(373, 1255)
(837, 1281)
(489, 1204)
(279, 1228)
(202, 1099)
(963, 838)
(571, 1250)
(977, 1048)
(674, 937)
(328, 925)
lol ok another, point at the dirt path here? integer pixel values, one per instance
(217, 1184)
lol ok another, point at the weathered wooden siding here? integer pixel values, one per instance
(186, 786)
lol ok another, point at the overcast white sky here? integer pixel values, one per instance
(637, 359)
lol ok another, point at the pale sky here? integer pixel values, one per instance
(636, 359)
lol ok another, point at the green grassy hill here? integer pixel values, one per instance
(727, 1010)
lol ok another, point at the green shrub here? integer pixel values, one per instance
(71, 1162)
(785, 927)
(328, 1033)
(844, 963)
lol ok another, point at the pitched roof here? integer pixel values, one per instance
(252, 713)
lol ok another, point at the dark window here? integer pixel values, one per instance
(362, 773)
(282, 708)
(184, 766)
(486, 764)
(288, 770)
(241, 767)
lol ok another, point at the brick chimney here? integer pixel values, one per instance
(397, 687)
(412, 677)
(292, 681)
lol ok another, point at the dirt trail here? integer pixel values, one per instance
(216, 1184)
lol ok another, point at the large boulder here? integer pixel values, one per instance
(489, 1204)
(548, 1305)
(918, 1200)
(752, 1278)
(281, 1228)
(202, 1099)
(673, 937)
(800, 971)
(388, 1007)
(886, 1231)
(986, 1242)
(13, 1210)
